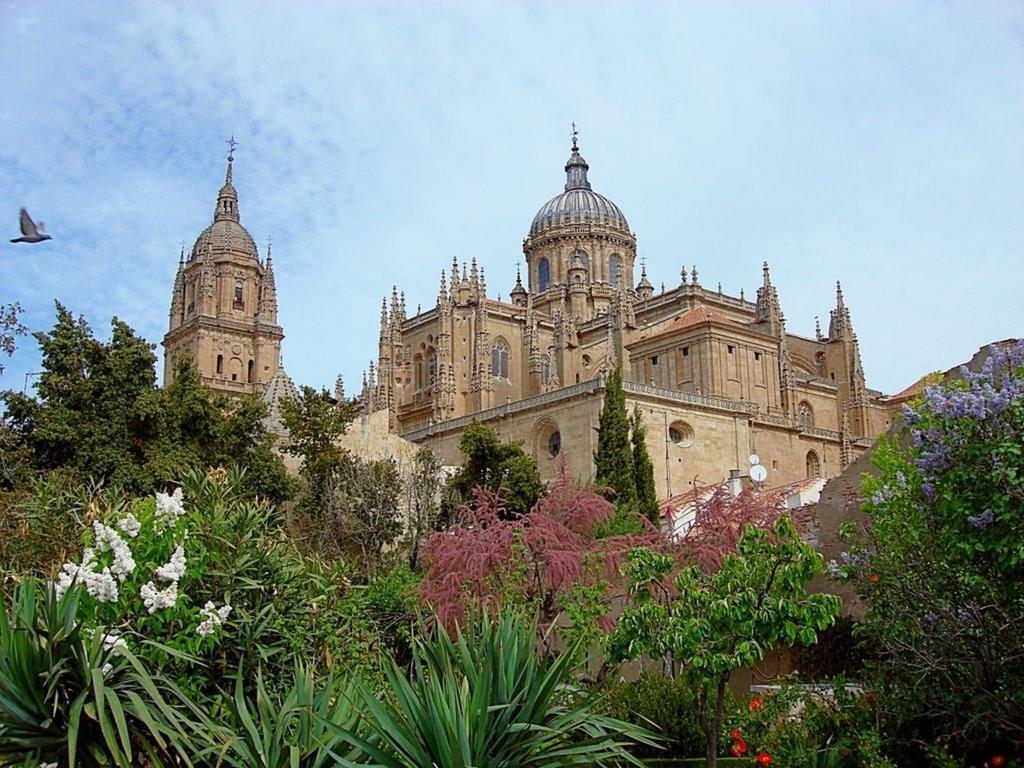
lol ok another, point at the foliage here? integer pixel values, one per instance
(550, 559)
(721, 518)
(942, 566)
(316, 421)
(10, 328)
(283, 602)
(483, 696)
(363, 515)
(662, 704)
(643, 471)
(823, 726)
(422, 503)
(501, 468)
(841, 650)
(99, 415)
(299, 729)
(712, 623)
(68, 693)
(614, 456)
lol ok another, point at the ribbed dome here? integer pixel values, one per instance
(224, 236)
(578, 204)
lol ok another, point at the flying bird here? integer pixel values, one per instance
(30, 231)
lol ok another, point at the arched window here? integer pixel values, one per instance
(431, 368)
(421, 374)
(813, 465)
(239, 297)
(543, 275)
(805, 414)
(220, 364)
(249, 373)
(613, 269)
(499, 359)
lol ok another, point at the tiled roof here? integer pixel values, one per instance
(699, 315)
(278, 388)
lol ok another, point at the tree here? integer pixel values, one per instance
(365, 501)
(712, 623)
(643, 471)
(614, 455)
(551, 559)
(10, 329)
(502, 468)
(99, 414)
(316, 421)
(423, 502)
(942, 562)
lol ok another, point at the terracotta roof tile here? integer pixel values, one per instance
(699, 315)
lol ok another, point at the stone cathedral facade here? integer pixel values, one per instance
(716, 377)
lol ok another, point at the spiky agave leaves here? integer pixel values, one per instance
(483, 697)
(303, 728)
(69, 695)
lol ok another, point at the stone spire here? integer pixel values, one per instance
(268, 291)
(227, 198)
(694, 275)
(767, 309)
(576, 169)
(644, 289)
(518, 294)
(279, 388)
(177, 314)
(339, 388)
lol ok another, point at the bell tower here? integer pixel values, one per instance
(224, 304)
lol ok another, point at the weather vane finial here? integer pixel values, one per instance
(575, 136)
(231, 144)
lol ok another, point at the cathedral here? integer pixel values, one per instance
(716, 377)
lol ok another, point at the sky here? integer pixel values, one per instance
(876, 142)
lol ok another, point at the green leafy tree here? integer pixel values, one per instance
(366, 505)
(98, 414)
(316, 421)
(643, 471)
(503, 468)
(714, 622)
(614, 455)
(10, 329)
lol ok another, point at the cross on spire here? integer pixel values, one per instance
(575, 136)
(231, 144)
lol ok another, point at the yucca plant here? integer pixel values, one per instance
(71, 697)
(484, 697)
(304, 728)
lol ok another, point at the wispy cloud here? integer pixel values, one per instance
(878, 143)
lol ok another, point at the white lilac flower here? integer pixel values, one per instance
(108, 539)
(47, 765)
(101, 585)
(212, 618)
(175, 568)
(129, 525)
(113, 641)
(169, 508)
(157, 599)
(105, 670)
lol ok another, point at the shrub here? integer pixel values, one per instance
(663, 704)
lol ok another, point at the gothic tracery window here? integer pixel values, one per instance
(239, 302)
(499, 359)
(804, 414)
(613, 269)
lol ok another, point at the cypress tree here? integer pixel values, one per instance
(614, 456)
(643, 470)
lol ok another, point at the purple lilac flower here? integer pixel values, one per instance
(834, 570)
(931, 618)
(982, 521)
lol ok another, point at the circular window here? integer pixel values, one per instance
(681, 434)
(554, 444)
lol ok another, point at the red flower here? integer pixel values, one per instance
(998, 760)
(735, 734)
(873, 578)
(755, 704)
(739, 748)
(764, 759)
